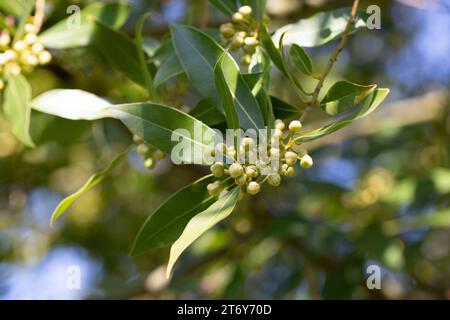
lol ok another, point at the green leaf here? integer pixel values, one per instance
(284, 110)
(231, 114)
(201, 223)
(198, 54)
(372, 102)
(71, 104)
(271, 49)
(206, 112)
(120, 51)
(343, 96)
(15, 8)
(92, 182)
(28, 6)
(150, 45)
(320, 28)
(168, 69)
(152, 94)
(16, 104)
(167, 223)
(164, 127)
(301, 59)
(237, 97)
(228, 7)
(65, 34)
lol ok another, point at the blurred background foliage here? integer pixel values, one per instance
(379, 192)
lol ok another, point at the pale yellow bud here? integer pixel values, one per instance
(30, 28)
(253, 188)
(19, 45)
(295, 126)
(12, 68)
(214, 188)
(10, 55)
(291, 158)
(37, 48)
(236, 170)
(241, 180)
(279, 124)
(5, 39)
(274, 180)
(238, 17)
(45, 57)
(159, 155)
(245, 11)
(306, 162)
(217, 169)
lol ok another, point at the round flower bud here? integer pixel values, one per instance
(250, 172)
(237, 42)
(227, 30)
(274, 180)
(253, 188)
(37, 48)
(238, 17)
(245, 11)
(3, 59)
(149, 163)
(214, 188)
(295, 126)
(221, 148)
(137, 140)
(12, 68)
(240, 181)
(246, 59)
(236, 170)
(217, 169)
(45, 57)
(231, 152)
(19, 45)
(29, 27)
(5, 39)
(287, 170)
(277, 133)
(279, 124)
(30, 38)
(143, 150)
(306, 162)
(274, 152)
(158, 155)
(251, 41)
(29, 59)
(10, 55)
(247, 143)
(291, 158)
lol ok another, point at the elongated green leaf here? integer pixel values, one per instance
(120, 51)
(284, 110)
(272, 50)
(228, 7)
(17, 108)
(71, 104)
(206, 112)
(168, 69)
(15, 8)
(152, 94)
(66, 34)
(201, 223)
(301, 59)
(92, 182)
(165, 128)
(343, 96)
(198, 54)
(150, 45)
(372, 102)
(320, 28)
(231, 114)
(237, 95)
(167, 223)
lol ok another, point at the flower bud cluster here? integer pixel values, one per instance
(150, 154)
(241, 34)
(22, 55)
(251, 165)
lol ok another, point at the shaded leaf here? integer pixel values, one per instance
(168, 69)
(284, 110)
(201, 223)
(228, 7)
(272, 50)
(166, 224)
(92, 182)
(16, 104)
(65, 35)
(301, 59)
(206, 112)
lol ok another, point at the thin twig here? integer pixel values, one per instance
(39, 14)
(333, 59)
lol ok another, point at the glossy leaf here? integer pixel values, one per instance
(156, 124)
(120, 51)
(272, 50)
(65, 34)
(301, 59)
(168, 69)
(284, 110)
(71, 104)
(91, 183)
(320, 28)
(206, 112)
(167, 223)
(228, 7)
(16, 104)
(343, 96)
(201, 223)
(372, 102)
(198, 54)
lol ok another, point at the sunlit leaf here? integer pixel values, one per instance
(301, 59)
(16, 106)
